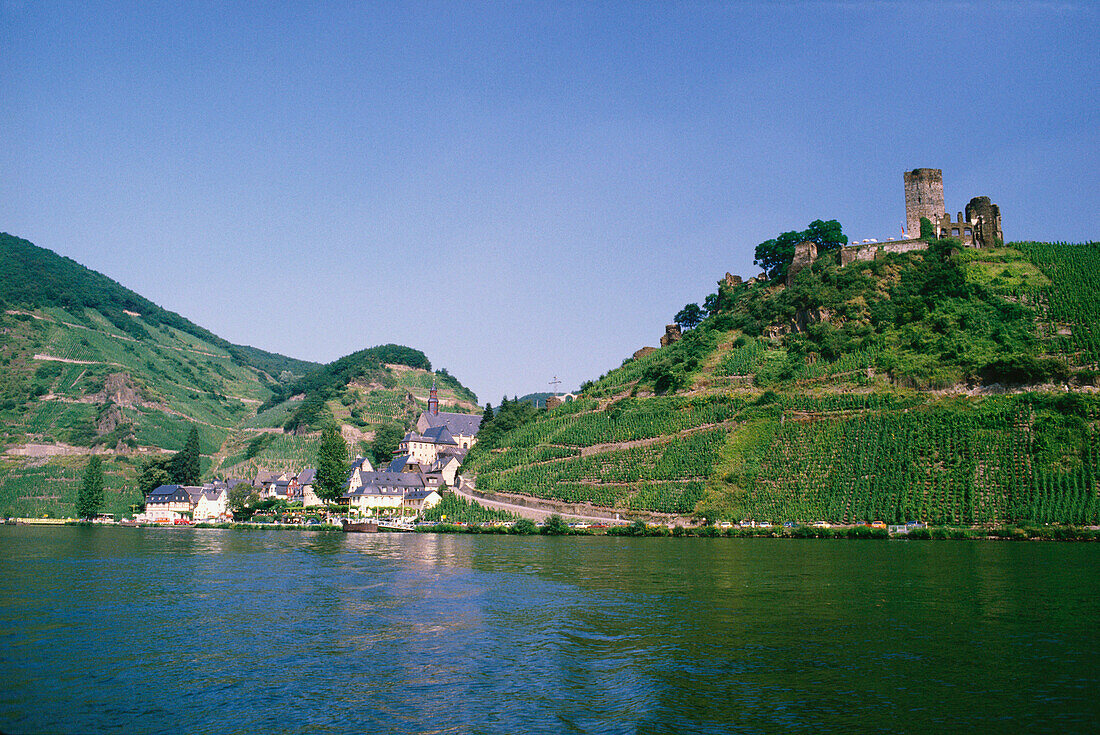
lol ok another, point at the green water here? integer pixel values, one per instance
(185, 630)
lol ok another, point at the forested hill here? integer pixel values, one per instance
(33, 277)
(949, 385)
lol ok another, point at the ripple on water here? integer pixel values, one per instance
(224, 631)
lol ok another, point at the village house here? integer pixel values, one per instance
(420, 500)
(211, 503)
(167, 504)
(374, 493)
(301, 488)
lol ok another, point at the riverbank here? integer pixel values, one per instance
(937, 533)
(638, 529)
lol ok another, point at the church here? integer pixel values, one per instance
(439, 443)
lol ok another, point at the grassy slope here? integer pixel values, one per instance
(878, 412)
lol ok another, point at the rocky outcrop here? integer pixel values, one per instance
(119, 389)
(643, 352)
(109, 419)
(732, 280)
(672, 335)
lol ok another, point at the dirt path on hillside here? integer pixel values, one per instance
(534, 514)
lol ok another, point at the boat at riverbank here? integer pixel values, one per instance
(360, 527)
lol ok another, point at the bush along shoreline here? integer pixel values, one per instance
(556, 526)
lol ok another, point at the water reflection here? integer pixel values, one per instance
(295, 632)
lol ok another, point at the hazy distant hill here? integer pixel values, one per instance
(949, 385)
(87, 365)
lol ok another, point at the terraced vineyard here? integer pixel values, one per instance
(1069, 308)
(767, 426)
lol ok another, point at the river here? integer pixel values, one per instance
(222, 631)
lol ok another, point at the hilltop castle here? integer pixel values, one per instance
(979, 227)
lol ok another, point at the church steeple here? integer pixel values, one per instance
(433, 401)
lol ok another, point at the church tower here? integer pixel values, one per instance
(923, 198)
(433, 400)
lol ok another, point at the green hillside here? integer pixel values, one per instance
(35, 277)
(948, 385)
(88, 366)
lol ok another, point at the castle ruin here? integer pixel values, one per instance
(979, 227)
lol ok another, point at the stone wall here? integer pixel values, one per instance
(870, 251)
(805, 253)
(672, 334)
(986, 217)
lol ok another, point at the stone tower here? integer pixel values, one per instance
(986, 218)
(923, 197)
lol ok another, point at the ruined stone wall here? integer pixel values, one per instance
(986, 218)
(902, 246)
(805, 253)
(923, 197)
(870, 251)
(672, 334)
(959, 228)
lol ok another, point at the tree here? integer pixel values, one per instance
(488, 415)
(185, 468)
(712, 304)
(90, 498)
(242, 498)
(524, 526)
(556, 526)
(775, 255)
(386, 439)
(154, 473)
(689, 317)
(332, 464)
(826, 235)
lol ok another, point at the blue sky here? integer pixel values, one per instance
(519, 189)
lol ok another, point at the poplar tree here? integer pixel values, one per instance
(185, 467)
(90, 498)
(332, 464)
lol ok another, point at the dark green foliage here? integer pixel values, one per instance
(672, 367)
(509, 416)
(450, 381)
(927, 230)
(914, 315)
(185, 468)
(332, 464)
(153, 474)
(525, 526)
(90, 499)
(774, 256)
(324, 384)
(242, 501)
(386, 439)
(689, 317)
(311, 412)
(555, 525)
(33, 277)
(711, 304)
